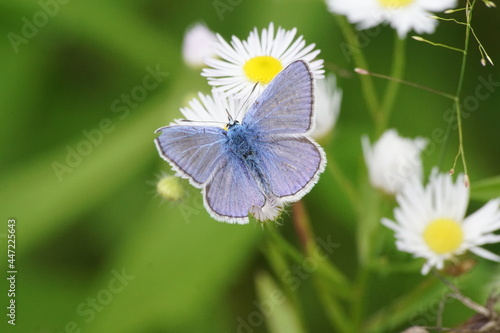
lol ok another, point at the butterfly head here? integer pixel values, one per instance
(230, 122)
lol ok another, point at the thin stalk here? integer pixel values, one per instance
(333, 309)
(280, 267)
(469, 7)
(367, 86)
(392, 88)
(407, 83)
(325, 269)
(420, 39)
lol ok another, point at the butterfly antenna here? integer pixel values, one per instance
(246, 100)
(230, 119)
(201, 121)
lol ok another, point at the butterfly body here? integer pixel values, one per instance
(244, 144)
(258, 164)
(241, 141)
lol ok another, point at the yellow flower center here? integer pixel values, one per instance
(262, 69)
(395, 3)
(443, 235)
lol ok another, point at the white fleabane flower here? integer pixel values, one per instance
(402, 15)
(327, 106)
(257, 60)
(393, 160)
(431, 223)
(198, 44)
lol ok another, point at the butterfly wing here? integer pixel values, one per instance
(196, 152)
(291, 166)
(283, 116)
(286, 105)
(232, 192)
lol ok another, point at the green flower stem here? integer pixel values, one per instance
(304, 230)
(326, 278)
(280, 267)
(332, 309)
(368, 223)
(398, 64)
(360, 62)
(325, 291)
(325, 269)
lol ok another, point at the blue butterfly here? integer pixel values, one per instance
(257, 165)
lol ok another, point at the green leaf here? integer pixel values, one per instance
(279, 314)
(485, 189)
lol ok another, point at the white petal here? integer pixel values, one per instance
(485, 253)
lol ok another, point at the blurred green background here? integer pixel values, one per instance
(98, 250)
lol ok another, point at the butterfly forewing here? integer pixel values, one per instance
(194, 151)
(286, 105)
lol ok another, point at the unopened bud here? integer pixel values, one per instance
(489, 4)
(361, 71)
(170, 188)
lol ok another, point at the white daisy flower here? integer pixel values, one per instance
(431, 223)
(402, 15)
(198, 44)
(257, 60)
(327, 106)
(393, 160)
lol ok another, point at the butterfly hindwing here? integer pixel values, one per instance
(286, 105)
(232, 191)
(195, 151)
(291, 166)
